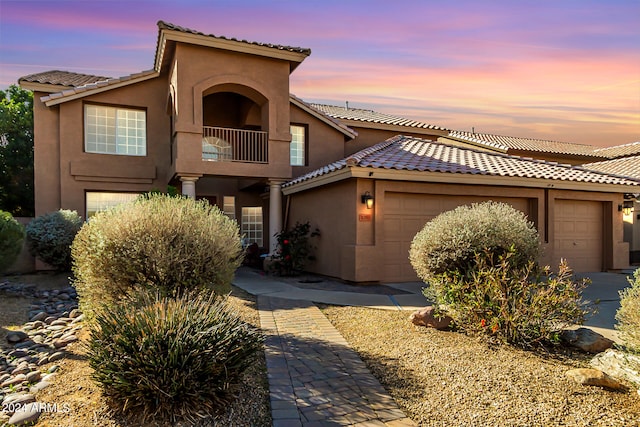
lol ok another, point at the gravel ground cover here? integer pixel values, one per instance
(74, 399)
(449, 379)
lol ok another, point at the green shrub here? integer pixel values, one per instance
(11, 238)
(168, 358)
(628, 315)
(157, 242)
(451, 240)
(49, 237)
(294, 249)
(511, 304)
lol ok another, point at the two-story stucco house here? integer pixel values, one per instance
(215, 118)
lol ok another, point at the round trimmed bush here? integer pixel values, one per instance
(172, 359)
(451, 241)
(628, 315)
(11, 238)
(157, 242)
(49, 237)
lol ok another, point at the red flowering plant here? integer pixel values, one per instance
(294, 249)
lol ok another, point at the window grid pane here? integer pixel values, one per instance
(98, 202)
(110, 130)
(251, 226)
(229, 206)
(297, 146)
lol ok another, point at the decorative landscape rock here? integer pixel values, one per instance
(586, 340)
(595, 377)
(27, 414)
(54, 321)
(619, 365)
(426, 317)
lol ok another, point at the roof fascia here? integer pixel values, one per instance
(506, 181)
(294, 58)
(455, 178)
(351, 134)
(43, 87)
(319, 181)
(394, 128)
(106, 87)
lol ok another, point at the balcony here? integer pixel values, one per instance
(234, 145)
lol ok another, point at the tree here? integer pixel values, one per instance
(16, 151)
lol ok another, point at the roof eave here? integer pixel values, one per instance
(42, 87)
(394, 128)
(55, 100)
(456, 178)
(294, 58)
(348, 132)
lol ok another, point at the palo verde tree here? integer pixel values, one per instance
(16, 151)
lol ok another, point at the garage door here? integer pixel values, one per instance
(578, 234)
(406, 214)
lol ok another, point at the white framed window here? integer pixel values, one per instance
(229, 206)
(298, 145)
(101, 201)
(251, 227)
(111, 130)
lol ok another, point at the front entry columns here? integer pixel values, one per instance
(275, 213)
(189, 186)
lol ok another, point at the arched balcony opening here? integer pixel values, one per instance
(235, 125)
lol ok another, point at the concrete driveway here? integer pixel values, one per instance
(605, 288)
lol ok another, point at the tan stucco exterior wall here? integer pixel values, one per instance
(351, 247)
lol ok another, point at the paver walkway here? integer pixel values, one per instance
(315, 378)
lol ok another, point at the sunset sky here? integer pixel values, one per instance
(559, 70)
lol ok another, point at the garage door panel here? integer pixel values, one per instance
(406, 214)
(578, 234)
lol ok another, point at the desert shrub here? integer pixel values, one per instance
(170, 358)
(49, 237)
(453, 239)
(11, 238)
(294, 249)
(158, 242)
(511, 304)
(628, 315)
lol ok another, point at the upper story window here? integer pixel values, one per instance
(111, 130)
(298, 147)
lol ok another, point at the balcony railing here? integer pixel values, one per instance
(234, 145)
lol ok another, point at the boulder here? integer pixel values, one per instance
(16, 337)
(426, 317)
(27, 415)
(586, 340)
(595, 377)
(619, 365)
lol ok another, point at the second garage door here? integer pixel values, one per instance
(578, 234)
(406, 214)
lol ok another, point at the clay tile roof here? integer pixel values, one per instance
(623, 166)
(415, 154)
(99, 84)
(62, 78)
(620, 150)
(168, 26)
(525, 144)
(370, 116)
(325, 117)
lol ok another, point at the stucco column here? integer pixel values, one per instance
(275, 213)
(189, 186)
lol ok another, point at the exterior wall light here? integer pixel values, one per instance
(367, 199)
(626, 207)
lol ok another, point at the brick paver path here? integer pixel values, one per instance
(315, 378)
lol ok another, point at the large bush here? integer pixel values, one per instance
(49, 237)
(453, 239)
(294, 249)
(11, 237)
(170, 358)
(157, 242)
(480, 265)
(511, 304)
(628, 315)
